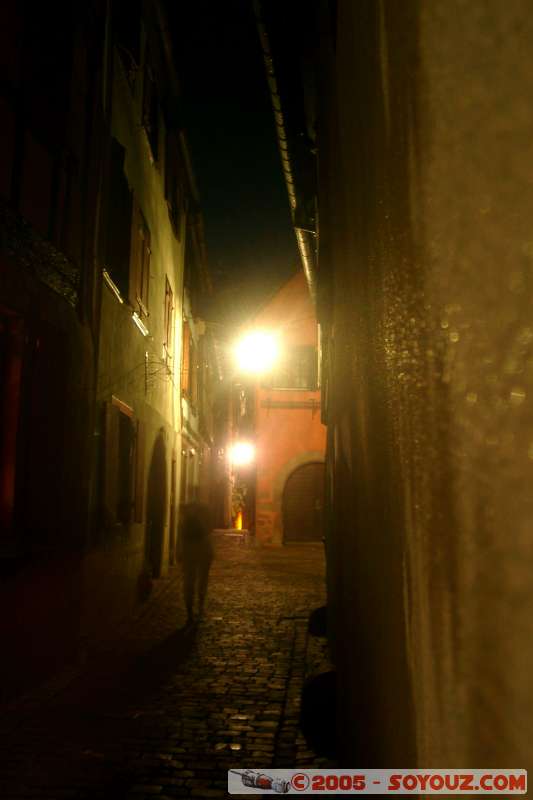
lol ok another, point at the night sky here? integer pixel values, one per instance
(230, 127)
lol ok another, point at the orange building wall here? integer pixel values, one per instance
(286, 438)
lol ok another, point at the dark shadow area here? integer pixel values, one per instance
(155, 667)
(318, 622)
(39, 631)
(128, 678)
(318, 718)
(144, 585)
(96, 718)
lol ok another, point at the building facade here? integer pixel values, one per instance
(287, 429)
(154, 434)
(53, 138)
(201, 375)
(102, 266)
(422, 129)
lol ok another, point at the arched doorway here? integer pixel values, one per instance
(156, 504)
(303, 503)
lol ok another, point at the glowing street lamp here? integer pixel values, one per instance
(241, 454)
(257, 352)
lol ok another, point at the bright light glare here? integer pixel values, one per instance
(242, 453)
(257, 352)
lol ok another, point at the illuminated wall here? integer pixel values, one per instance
(288, 428)
(139, 418)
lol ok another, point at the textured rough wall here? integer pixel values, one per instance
(429, 172)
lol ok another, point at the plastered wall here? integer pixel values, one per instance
(286, 437)
(426, 210)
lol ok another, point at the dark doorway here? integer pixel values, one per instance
(303, 501)
(156, 506)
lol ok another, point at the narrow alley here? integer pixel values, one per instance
(167, 711)
(266, 271)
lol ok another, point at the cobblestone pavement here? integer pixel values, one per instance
(166, 712)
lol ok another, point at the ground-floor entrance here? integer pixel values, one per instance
(303, 503)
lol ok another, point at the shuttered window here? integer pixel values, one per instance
(193, 367)
(150, 116)
(173, 184)
(118, 235)
(140, 262)
(185, 360)
(139, 472)
(110, 464)
(169, 322)
(123, 464)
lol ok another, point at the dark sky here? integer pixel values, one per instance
(230, 127)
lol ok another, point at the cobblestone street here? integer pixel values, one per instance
(166, 711)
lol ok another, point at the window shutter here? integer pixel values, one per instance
(169, 320)
(140, 261)
(126, 475)
(185, 359)
(146, 244)
(193, 371)
(139, 472)
(135, 254)
(151, 109)
(110, 465)
(119, 221)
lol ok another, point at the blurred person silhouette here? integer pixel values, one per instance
(195, 554)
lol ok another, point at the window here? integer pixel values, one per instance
(127, 33)
(123, 464)
(297, 370)
(118, 237)
(138, 508)
(185, 356)
(201, 376)
(169, 322)
(189, 377)
(140, 262)
(126, 443)
(150, 115)
(193, 383)
(173, 192)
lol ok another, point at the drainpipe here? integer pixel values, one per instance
(305, 238)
